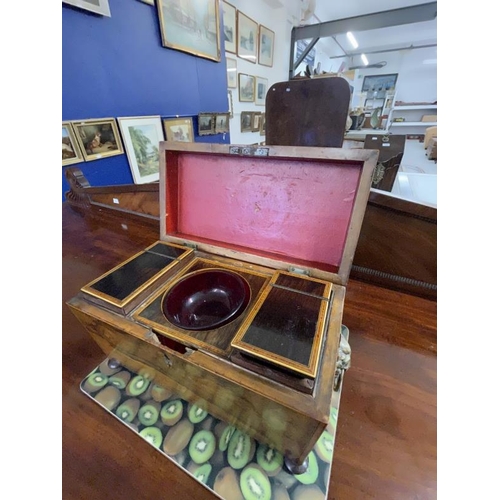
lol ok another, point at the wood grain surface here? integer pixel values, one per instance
(386, 437)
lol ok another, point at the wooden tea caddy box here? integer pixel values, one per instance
(287, 220)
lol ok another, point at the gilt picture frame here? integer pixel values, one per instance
(261, 85)
(142, 136)
(206, 124)
(100, 7)
(98, 138)
(230, 27)
(256, 118)
(246, 87)
(71, 152)
(221, 123)
(195, 31)
(246, 119)
(266, 46)
(248, 33)
(179, 129)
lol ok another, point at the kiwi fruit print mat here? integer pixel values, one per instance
(225, 460)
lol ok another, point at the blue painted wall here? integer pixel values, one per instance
(116, 66)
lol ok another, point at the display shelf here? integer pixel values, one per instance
(413, 124)
(414, 107)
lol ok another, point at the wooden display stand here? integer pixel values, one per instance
(286, 220)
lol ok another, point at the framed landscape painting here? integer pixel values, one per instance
(246, 119)
(246, 87)
(142, 136)
(221, 123)
(70, 150)
(266, 46)
(230, 31)
(96, 6)
(98, 138)
(206, 124)
(179, 129)
(248, 32)
(191, 27)
(260, 90)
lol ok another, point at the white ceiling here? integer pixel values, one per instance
(416, 34)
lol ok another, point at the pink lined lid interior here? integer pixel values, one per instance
(296, 210)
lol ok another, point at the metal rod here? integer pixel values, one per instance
(382, 51)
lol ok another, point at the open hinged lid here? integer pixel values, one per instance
(294, 208)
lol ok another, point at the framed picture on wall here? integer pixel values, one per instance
(260, 91)
(230, 30)
(246, 121)
(221, 123)
(96, 6)
(179, 129)
(263, 124)
(142, 136)
(246, 84)
(206, 124)
(193, 29)
(70, 150)
(266, 46)
(256, 118)
(98, 138)
(248, 32)
(232, 81)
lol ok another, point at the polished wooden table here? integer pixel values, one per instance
(386, 435)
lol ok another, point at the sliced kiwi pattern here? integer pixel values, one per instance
(269, 459)
(202, 446)
(137, 385)
(148, 413)
(196, 414)
(222, 457)
(171, 412)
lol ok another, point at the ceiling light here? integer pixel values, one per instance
(364, 59)
(353, 41)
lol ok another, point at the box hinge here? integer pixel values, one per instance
(191, 245)
(248, 151)
(297, 270)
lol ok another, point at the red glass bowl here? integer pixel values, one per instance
(206, 299)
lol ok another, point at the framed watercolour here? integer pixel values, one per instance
(247, 38)
(206, 124)
(260, 90)
(98, 138)
(230, 103)
(246, 84)
(230, 32)
(194, 29)
(179, 129)
(266, 46)
(142, 136)
(263, 124)
(246, 121)
(221, 123)
(96, 6)
(231, 73)
(256, 118)
(70, 150)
